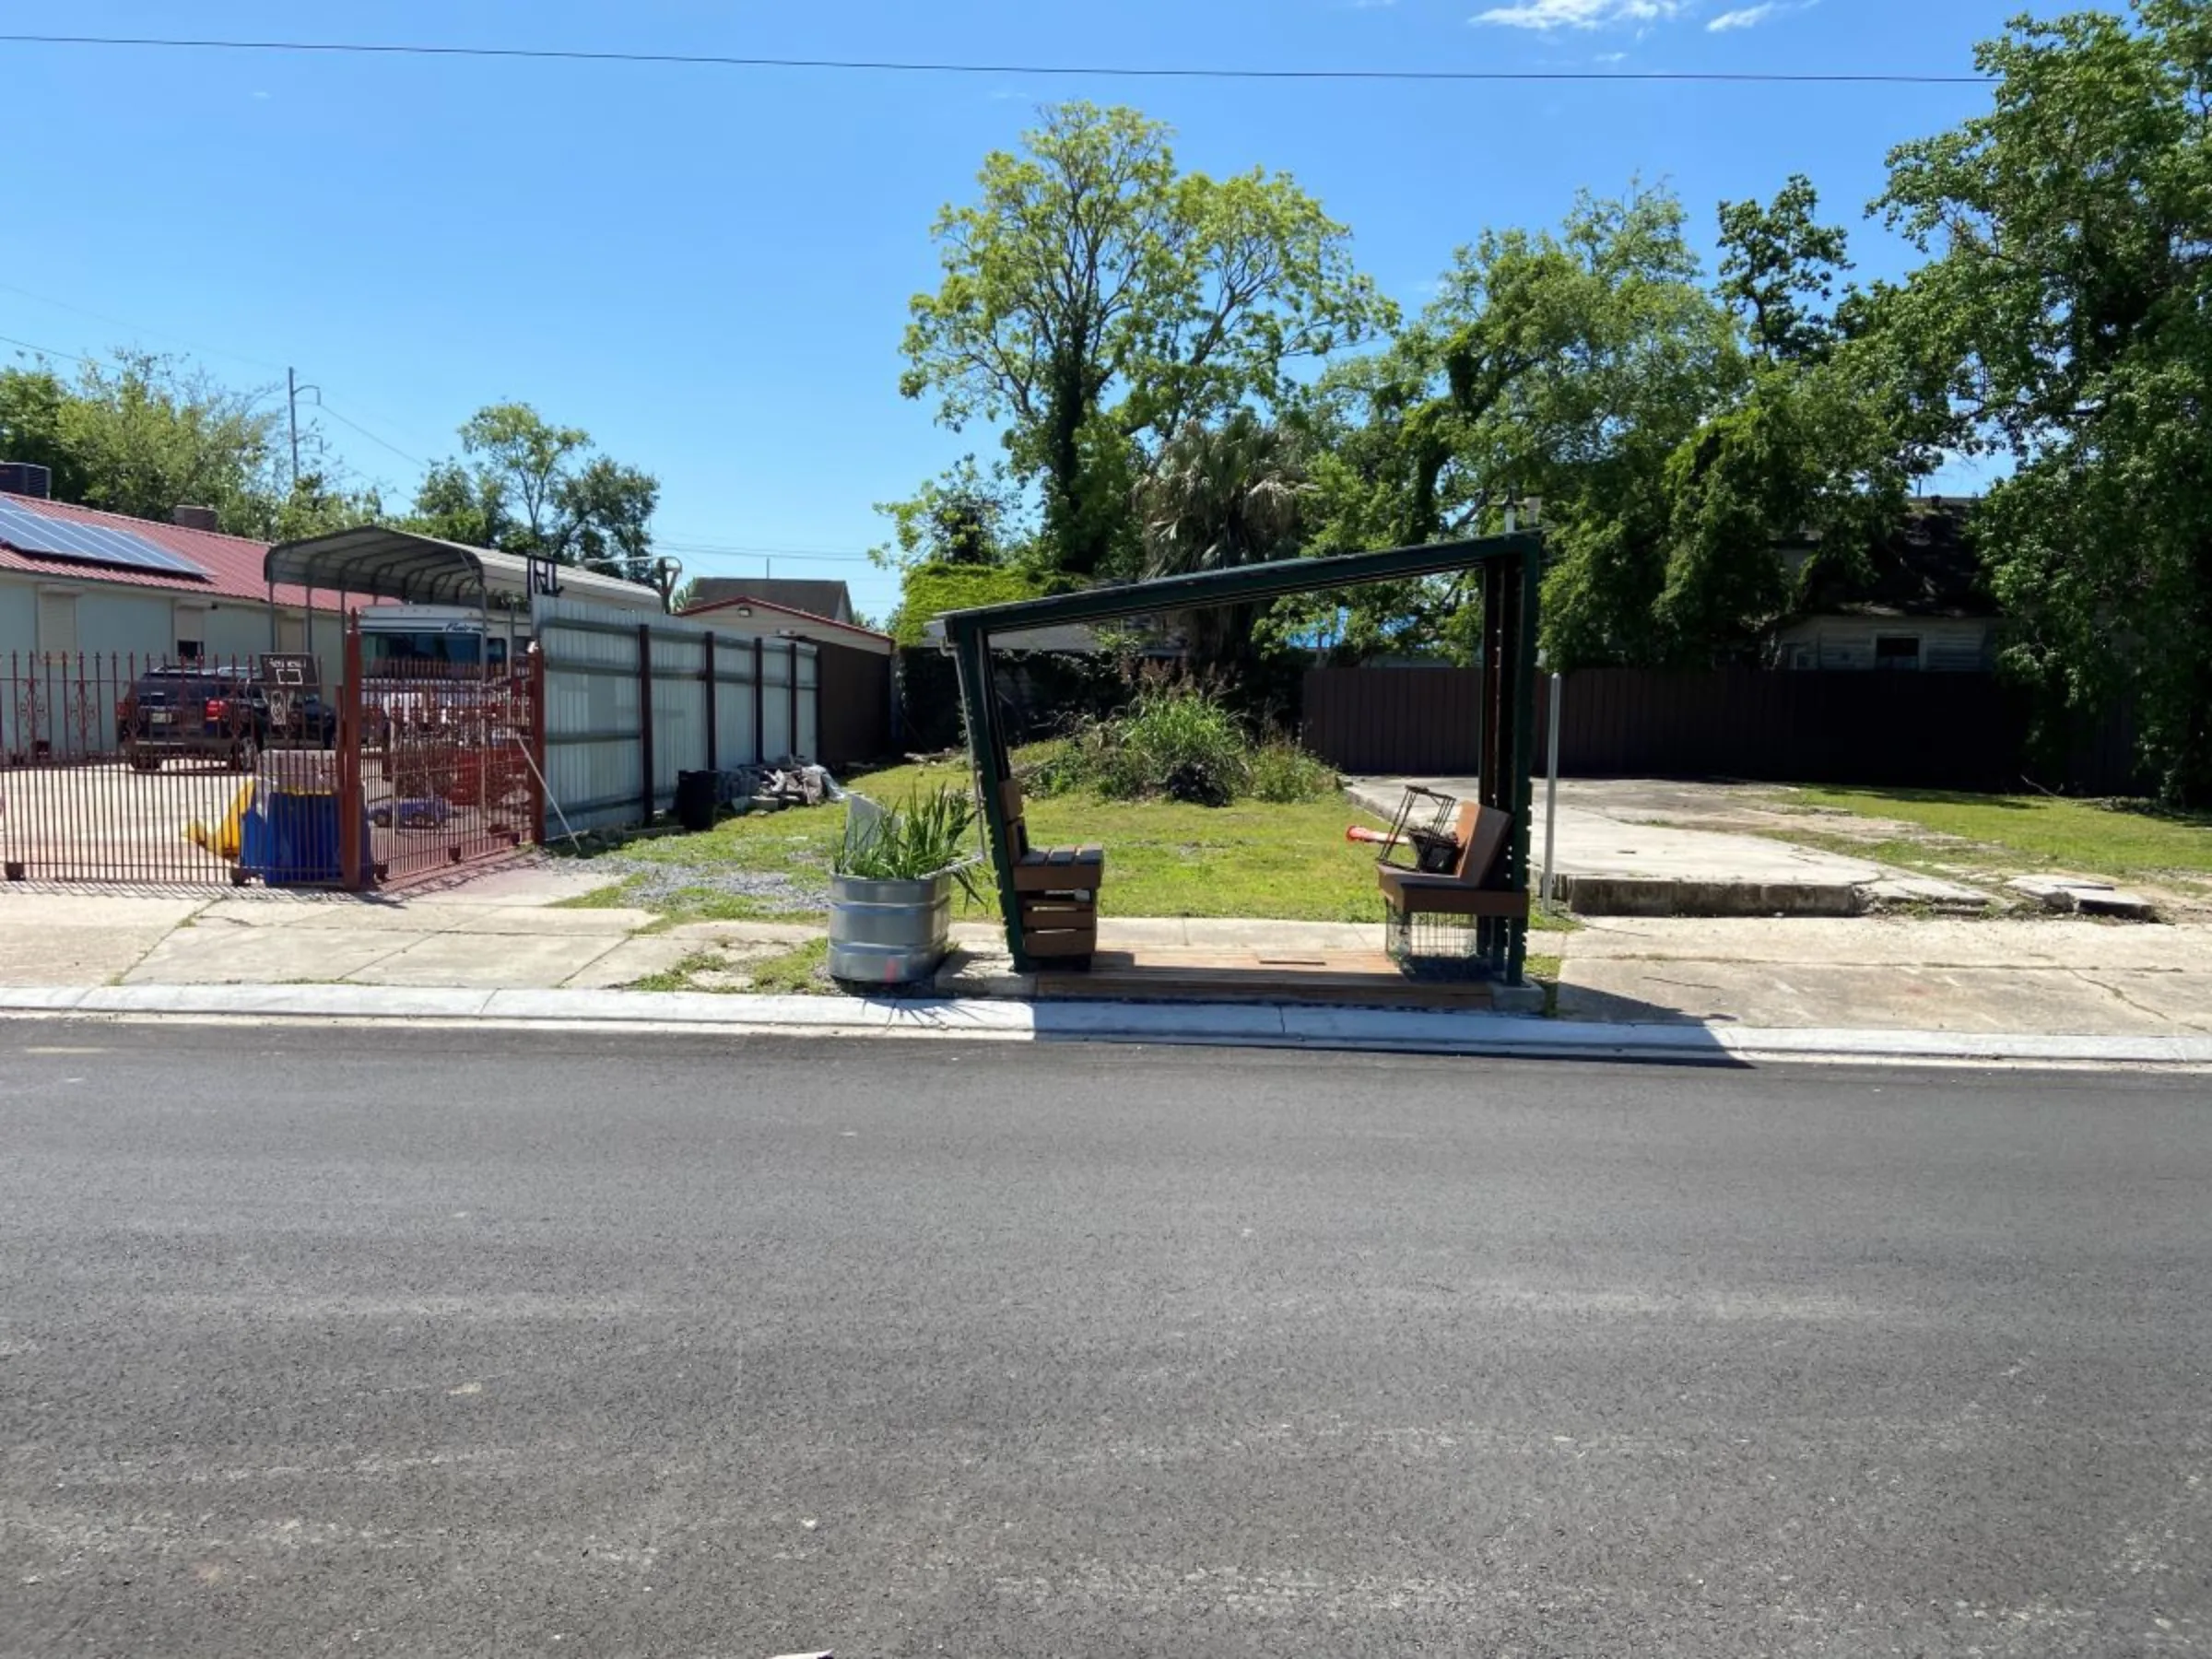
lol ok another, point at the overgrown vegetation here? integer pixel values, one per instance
(1178, 742)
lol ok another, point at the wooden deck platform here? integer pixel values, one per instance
(1365, 979)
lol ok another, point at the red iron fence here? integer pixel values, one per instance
(221, 771)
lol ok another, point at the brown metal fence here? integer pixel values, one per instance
(1962, 730)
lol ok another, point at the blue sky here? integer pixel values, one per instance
(709, 269)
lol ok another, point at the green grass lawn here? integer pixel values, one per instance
(2034, 832)
(1254, 860)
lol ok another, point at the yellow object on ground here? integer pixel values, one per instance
(225, 841)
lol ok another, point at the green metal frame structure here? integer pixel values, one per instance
(1512, 568)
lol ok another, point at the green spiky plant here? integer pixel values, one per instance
(930, 833)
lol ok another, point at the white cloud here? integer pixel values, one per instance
(1748, 17)
(1579, 14)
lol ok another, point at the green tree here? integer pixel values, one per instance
(1563, 366)
(2069, 293)
(526, 485)
(965, 516)
(143, 435)
(1096, 299)
(1219, 497)
(1780, 268)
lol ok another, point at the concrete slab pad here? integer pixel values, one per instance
(2086, 894)
(1892, 998)
(491, 961)
(1928, 890)
(632, 960)
(71, 956)
(202, 955)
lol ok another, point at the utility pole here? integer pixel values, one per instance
(292, 388)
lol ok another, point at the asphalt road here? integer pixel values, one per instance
(381, 1343)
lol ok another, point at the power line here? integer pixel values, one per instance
(136, 328)
(324, 408)
(49, 350)
(901, 66)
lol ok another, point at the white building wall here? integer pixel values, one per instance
(19, 617)
(1947, 645)
(112, 619)
(117, 621)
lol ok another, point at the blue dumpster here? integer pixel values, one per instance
(291, 837)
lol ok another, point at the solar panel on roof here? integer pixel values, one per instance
(44, 537)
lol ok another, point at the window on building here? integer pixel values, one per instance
(1897, 651)
(189, 651)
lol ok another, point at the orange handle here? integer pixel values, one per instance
(1360, 832)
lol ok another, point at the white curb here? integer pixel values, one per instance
(1228, 1024)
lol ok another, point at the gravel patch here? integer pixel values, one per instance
(656, 884)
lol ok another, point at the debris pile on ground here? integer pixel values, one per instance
(790, 783)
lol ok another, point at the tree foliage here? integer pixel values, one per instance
(143, 435)
(526, 485)
(1219, 497)
(2068, 300)
(1096, 299)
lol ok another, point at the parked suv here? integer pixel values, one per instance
(214, 714)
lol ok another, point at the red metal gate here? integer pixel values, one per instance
(445, 762)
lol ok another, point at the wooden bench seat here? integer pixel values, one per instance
(1468, 888)
(1059, 889)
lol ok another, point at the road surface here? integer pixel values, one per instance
(370, 1342)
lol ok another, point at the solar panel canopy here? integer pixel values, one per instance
(42, 537)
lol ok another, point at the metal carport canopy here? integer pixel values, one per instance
(378, 561)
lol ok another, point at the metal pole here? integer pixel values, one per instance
(1551, 784)
(291, 407)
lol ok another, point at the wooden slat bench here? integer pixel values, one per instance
(1468, 888)
(1059, 889)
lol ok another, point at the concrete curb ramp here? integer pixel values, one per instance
(1216, 1024)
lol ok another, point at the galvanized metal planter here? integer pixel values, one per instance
(888, 933)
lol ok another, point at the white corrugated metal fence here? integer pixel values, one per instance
(607, 669)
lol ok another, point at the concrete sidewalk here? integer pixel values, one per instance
(2074, 977)
(1894, 973)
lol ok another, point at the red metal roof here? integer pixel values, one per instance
(232, 563)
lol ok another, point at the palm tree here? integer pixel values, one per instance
(1217, 498)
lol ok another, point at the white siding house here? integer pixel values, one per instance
(1922, 607)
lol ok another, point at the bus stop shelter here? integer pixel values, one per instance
(1510, 569)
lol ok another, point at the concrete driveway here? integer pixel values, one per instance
(1614, 861)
